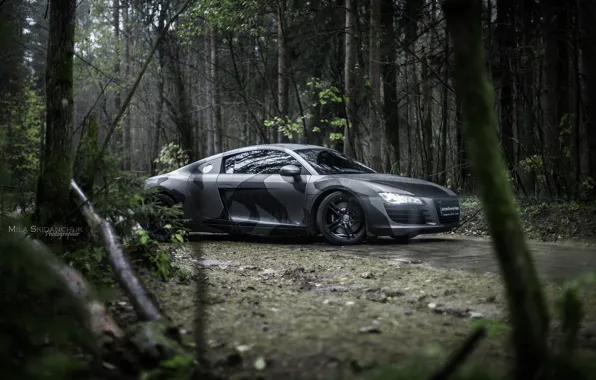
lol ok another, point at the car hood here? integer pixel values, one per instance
(414, 186)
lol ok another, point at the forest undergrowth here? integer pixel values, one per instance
(542, 220)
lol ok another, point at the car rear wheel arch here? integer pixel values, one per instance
(161, 195)
(166, 199)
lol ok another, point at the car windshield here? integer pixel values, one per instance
(326, 161)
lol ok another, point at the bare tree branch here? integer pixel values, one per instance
(137, 82)
(460, 355)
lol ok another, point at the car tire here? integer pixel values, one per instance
(341, 220)
(156, 228)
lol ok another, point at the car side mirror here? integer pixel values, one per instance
(290, 171)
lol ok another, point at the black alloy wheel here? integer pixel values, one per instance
(341, 219)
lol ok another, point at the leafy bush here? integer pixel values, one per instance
(159, 259)
(544, 221)
(170, 158)
(119, 197)
(91, 261)
(127, 206)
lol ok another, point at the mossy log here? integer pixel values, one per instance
(524, 293)
(99, 322)
(154, 339)
(144, 306)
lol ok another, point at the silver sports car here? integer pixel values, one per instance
(290, 189)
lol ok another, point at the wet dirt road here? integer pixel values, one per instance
(555, 262)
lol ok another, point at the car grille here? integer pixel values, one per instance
(447, 210)
(406, 214)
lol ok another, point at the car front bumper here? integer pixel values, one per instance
(434, 216)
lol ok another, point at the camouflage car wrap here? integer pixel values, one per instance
(216, 199)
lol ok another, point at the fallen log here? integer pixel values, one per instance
(142, 303)
(154, 339)
(100, 323)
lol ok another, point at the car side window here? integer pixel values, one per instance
(274, 160)
(229, 164)
(258, 162)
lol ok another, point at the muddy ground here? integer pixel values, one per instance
(305, 310)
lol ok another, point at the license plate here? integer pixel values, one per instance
(449, 210)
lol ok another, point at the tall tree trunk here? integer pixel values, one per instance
(12, 77)
(524, 294)
(161, 59)
(505, 34)
(282, 66)
(183, 117)
(462, 156)
(408, 122)
(390, 100)
(158, 125)
(575, 161)
(11, 52)
(180, 107)
(376, 132)
(409, 23)
(588, 46)
(209, 86)
(349, 79)
(528, 66)
(256, 123)
(53, 187)
(215, 98)
(444, 112)
(557, 87)
(128, 148)
(118, 143)
(427, 122)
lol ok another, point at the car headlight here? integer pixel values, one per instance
(399, 199)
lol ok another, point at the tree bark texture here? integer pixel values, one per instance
(376, 132)
(505, 34)
(216, 98)
(282, 66)
(349, 76)
(118, 141)
(588, 47)
(53, 201)
(557, 110)
(390, 99)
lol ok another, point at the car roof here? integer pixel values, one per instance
(292, 147)
(288, 146)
